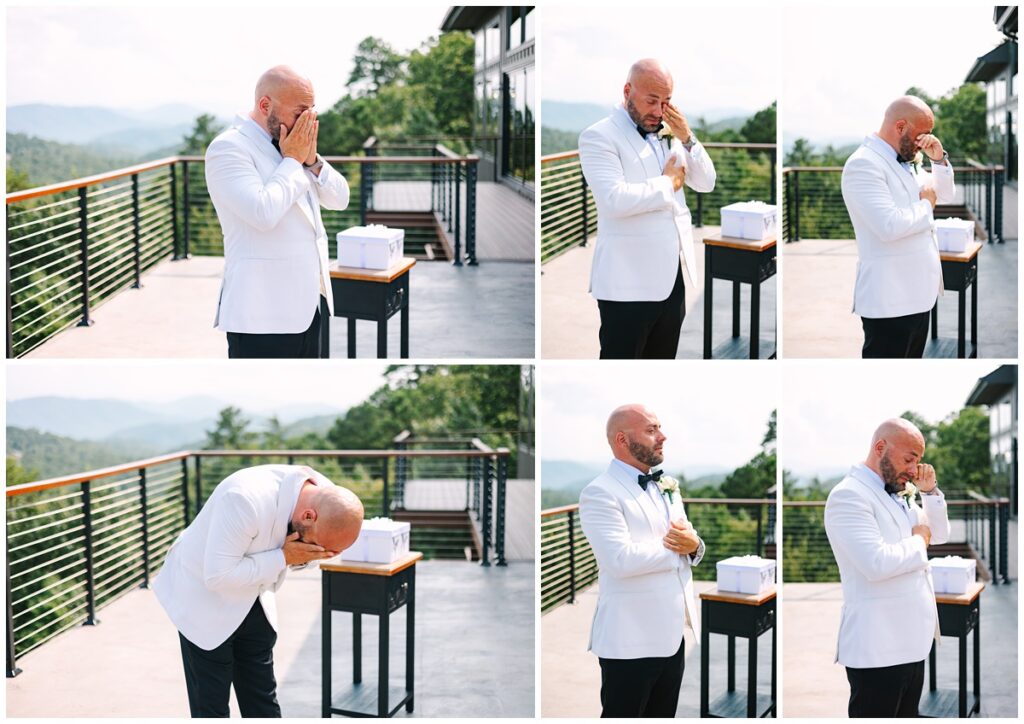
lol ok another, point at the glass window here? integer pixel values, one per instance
(515, 28)
(479, 104)
(492, 43)
(478, 54)
(529, 32)
(519, 124)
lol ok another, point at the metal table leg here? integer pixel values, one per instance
(962, 704)
(752, 676)
(382, 671)
(974, 311)
(961, 324)
(977, 664)
(325, 654)
(410, 644)
(755, 317)
(735, 309)
(708, 284)
(382, 339)
(404, 344)
(357, 648)
(705, 640)
(351, 337)
(731, 657)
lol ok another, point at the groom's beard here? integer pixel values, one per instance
(894, 482)
(648, 123)
(646, 455)
(908, 146)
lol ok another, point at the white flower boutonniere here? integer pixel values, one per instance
(917, 162)
(668, 486)
(909, 493)
(665, 134)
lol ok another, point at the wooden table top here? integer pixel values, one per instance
(961, 599)
(742, 244)
(747, 599)
(962, 256)
(373, 275)
(372, 569)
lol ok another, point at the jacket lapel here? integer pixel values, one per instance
(636, 492)
(907, 179)
(263, 144)
(888, 503)
(639, 145)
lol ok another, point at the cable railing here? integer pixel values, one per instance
(814, 208)
(745, 171)
(77, 542)
(728, 526)
(73, 245)
(979, 528)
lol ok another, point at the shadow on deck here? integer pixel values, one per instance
(571, 675)
(818, 290)
(484, 312)
(469, 662)
(572, 321)
(814, 686)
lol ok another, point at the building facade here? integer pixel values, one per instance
(504, 95)
(998, 392)
(997, 70)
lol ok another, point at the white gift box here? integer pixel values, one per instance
(745, 574)
(370, 247)
(953, 574)
(754, 220)
(954, 234)
(381, 540)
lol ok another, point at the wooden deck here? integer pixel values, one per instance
(505, 218)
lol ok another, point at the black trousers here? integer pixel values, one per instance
(642, 687)
(302, 345)
(643, 330)
(888, 691)
(245, 660)
(895, 337)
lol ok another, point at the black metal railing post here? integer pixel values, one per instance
(136, 233)
(145, 527)
(989, 185)
(586, 209)
(795, 222)
(449, 181)
(401, 474)
(184, 489)
(365, 183)
(83, 230)
(174, 212)
(760, 533)
(997, 200)
(385, 504)
(199, 484)
(186, 208)
(12, 658)
(1004, 543)
(499, 511)
(471, 171)
(771, 176)
(572, 556)
(485, 513)
(457, 167)
(993, 516)
(90, 582)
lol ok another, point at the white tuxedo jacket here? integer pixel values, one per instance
(889, 615)
(898, 268)
(275, 244)
(231, 554)
(645, 590)
(642, 225)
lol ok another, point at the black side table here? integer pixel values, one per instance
(959, 272)
(375, 296)
(740, 261)
(959, 614)
(736, 614)
(377, 589)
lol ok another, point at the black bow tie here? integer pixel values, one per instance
(900, 159)
(644, 134)
(655, 475)
(277, 144)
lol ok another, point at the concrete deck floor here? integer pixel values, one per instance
(571, 320)
(470, 662)
(571, 676)
(481, 312)
(814, 686)
(817, 289)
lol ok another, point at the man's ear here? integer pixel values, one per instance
(309, 514)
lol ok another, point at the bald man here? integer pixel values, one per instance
(891, 201)
(267, 183)
(636, 162)
(645, 547)
(218, 581)
(880, 539)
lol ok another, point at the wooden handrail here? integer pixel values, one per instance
(89, 475)
(561, 156)
(688, 501)
(170, 160)
(949, 503)
(833, 169)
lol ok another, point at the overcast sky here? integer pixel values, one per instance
(252, 384)
(844, 65)
(830, 409)
(587, 52)
(207, 56)
(712, 414)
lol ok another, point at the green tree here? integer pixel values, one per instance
(443, 70)
(231, 432)
(16, 475)
(203, 132)
(17, 180)
(753, 479)
(760, 127)
(375, 65)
